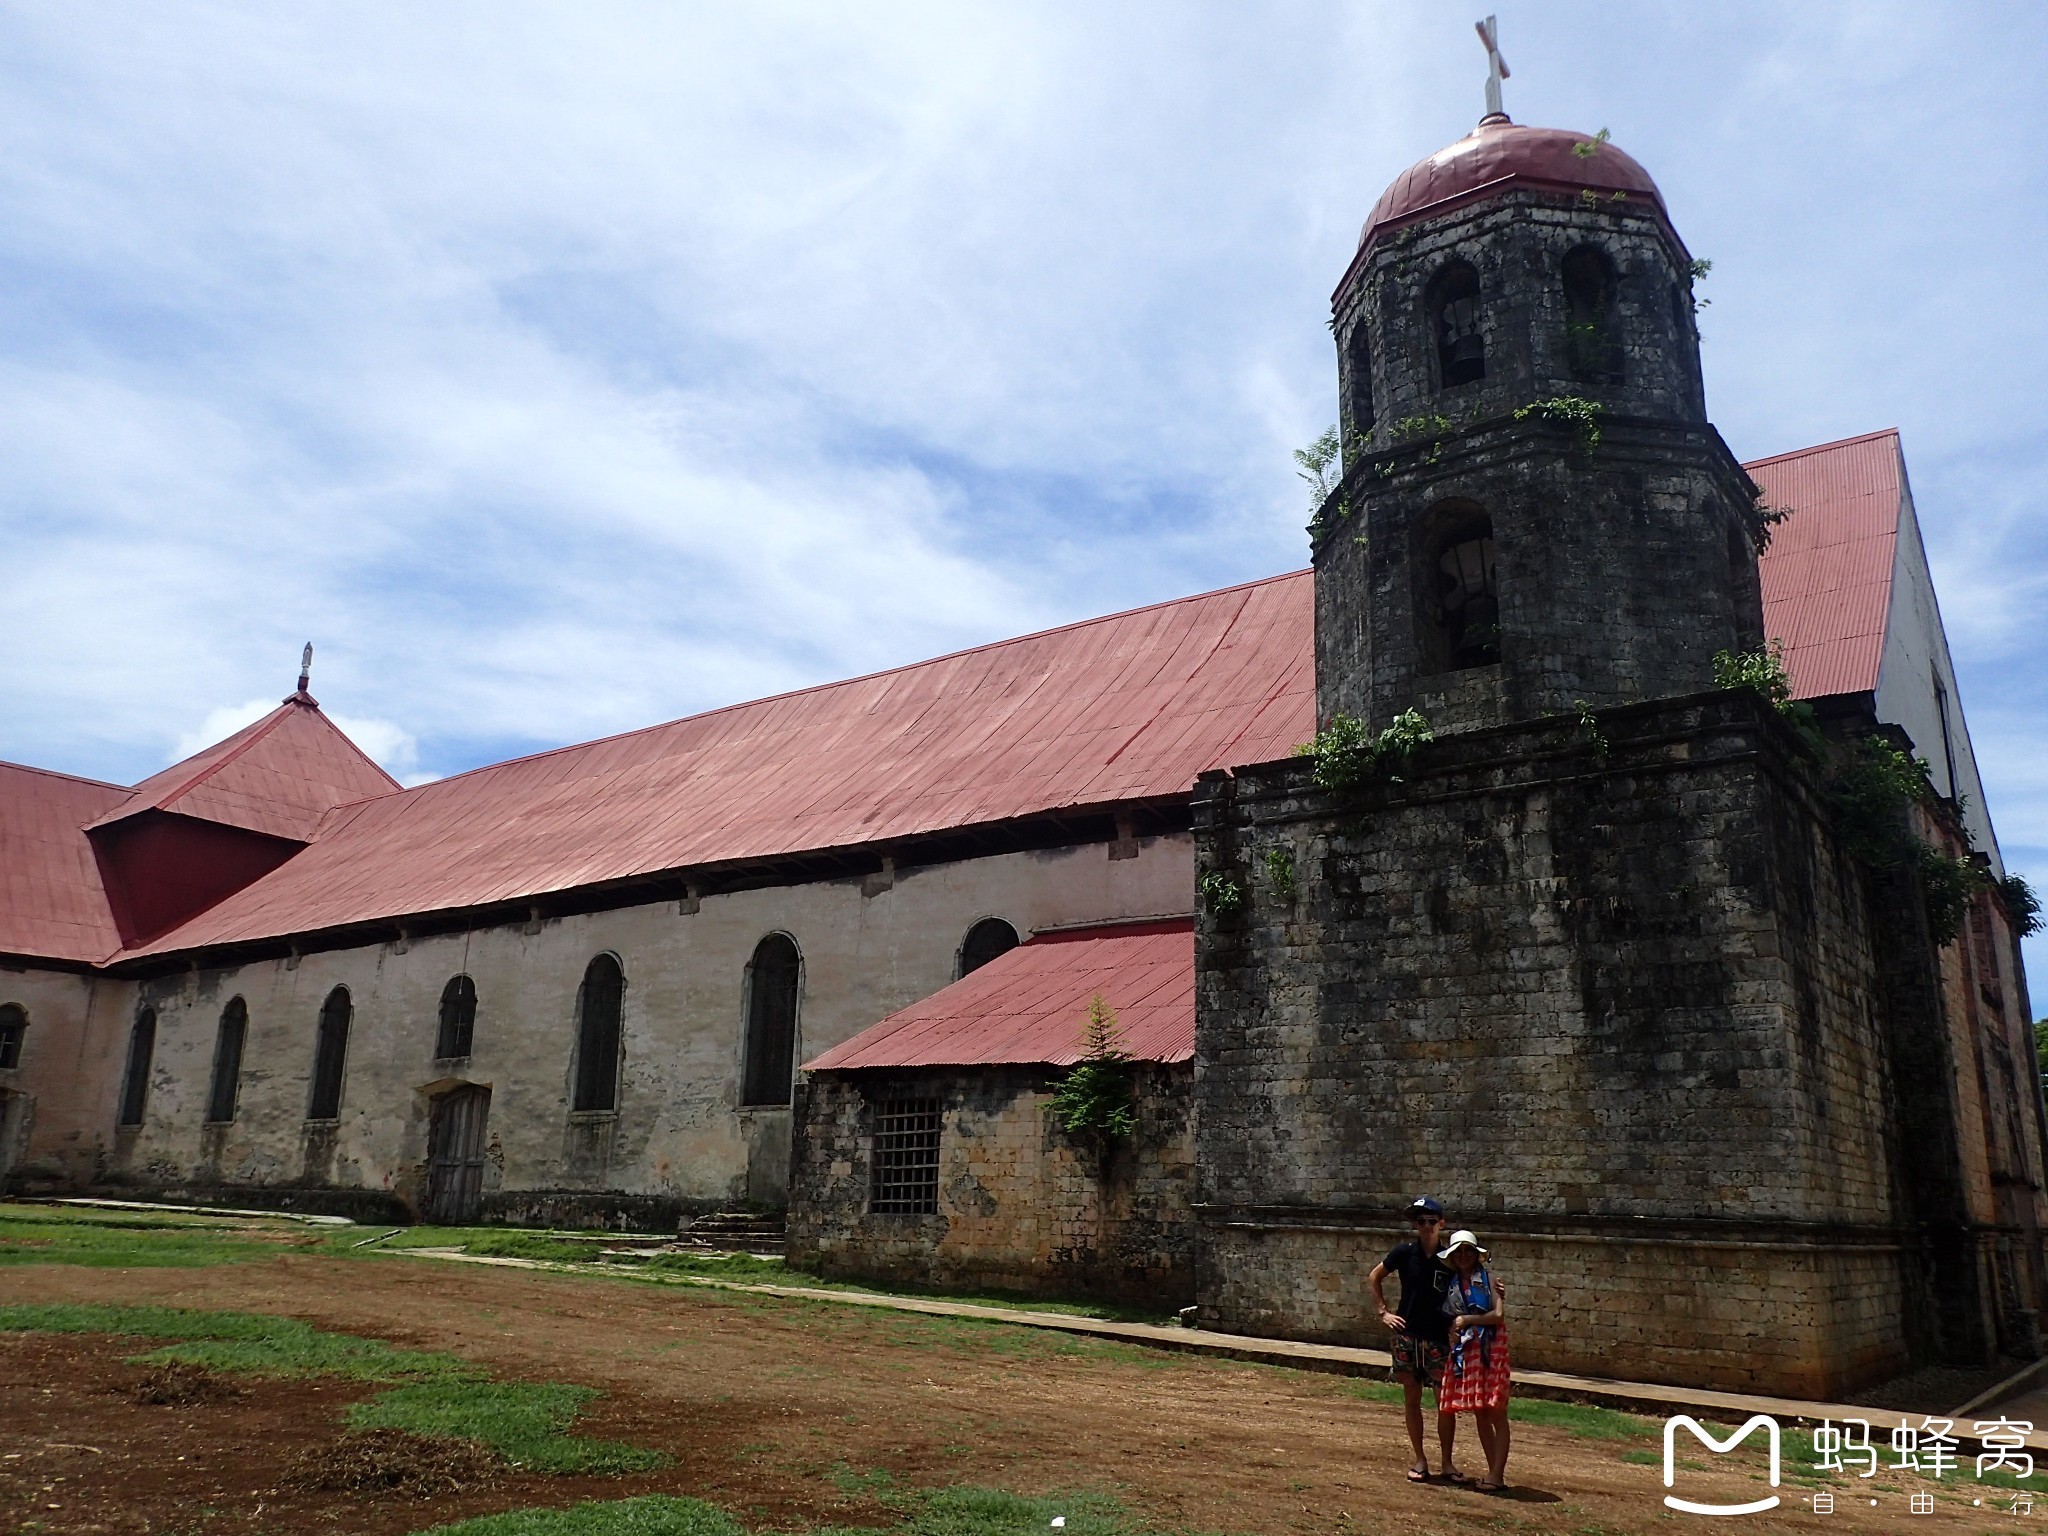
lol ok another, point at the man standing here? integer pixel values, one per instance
(1419, 1329)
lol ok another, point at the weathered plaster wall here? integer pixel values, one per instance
(678, 1140)
(1022, 1205)
(50, 1085)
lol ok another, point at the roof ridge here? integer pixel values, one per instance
(58, 773)
(819, 688)
(1840, 442)
(251, 733)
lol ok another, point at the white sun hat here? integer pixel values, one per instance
(1461, 1239)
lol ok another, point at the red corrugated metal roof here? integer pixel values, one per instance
(51, 902)
(1827, 575)
(1132, 706)
(278, 776)
(1030, 1005)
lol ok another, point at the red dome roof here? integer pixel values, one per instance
(1497, 154)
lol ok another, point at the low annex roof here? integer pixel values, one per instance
(1029, 1005)
(52, 905)
(1827, 575)
(279, 775)
(1123, 708)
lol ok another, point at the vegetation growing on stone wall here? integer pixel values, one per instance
(1574, 411)
(2021, 905)
(1951, 882)
(1762, 519)
(1589, 722)
(1323, 465)
(1096, 1094)
(1871, 793)
(1763, 671)
(1347, 754)
(1280, 872)
(1432, 425)
(1220, 894)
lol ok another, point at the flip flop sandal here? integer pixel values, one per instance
(1417, 1477)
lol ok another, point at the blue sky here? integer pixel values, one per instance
(559, 369)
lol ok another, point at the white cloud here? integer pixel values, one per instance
(391, 747)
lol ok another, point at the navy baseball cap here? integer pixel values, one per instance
(1422, 1205)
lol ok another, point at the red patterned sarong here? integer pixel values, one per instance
(1476, 1376)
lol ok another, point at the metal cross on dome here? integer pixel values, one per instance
(1496, 66)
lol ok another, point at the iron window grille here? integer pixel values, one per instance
(906, 1158)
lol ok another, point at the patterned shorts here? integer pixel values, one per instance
(1416, 1359)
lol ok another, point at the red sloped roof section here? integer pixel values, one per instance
(278, 776)
(1132, 706)
(1827, 576)
(52, 904)
(1030, 1005)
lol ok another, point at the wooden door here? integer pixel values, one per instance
(455, 1155)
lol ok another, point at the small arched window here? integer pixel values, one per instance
(226, 1085)
(330, 1056)
(141, 1056)
(985, 940)
(457, 1032)
(600, 1006)
(1460, 596)
(773, 978)
(13, 1030)
(1358, 413)
(1455, 317)
(1592, 347)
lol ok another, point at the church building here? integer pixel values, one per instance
(1729, 1060)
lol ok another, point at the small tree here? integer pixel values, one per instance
(1096, 1093)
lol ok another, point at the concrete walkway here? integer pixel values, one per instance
(1336, 1359)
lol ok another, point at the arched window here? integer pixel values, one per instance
(1454, 314)
(458, 1019)
(1358, 383)
(773, 977)
(1592, 347)
(600, 1003)
(227, 1063)
(330, 1056)
(141, 1054)
(13, 1029)
(1460, 596)
(985, 940)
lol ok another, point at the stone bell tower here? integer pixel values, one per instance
(1536, 511)
(1592, 966)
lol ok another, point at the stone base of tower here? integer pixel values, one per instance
(1610, 990)
(1787, 1312)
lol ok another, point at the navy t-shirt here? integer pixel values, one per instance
(1424, 1280)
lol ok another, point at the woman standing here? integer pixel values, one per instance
(1475, 1374)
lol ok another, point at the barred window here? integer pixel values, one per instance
(906, 1158)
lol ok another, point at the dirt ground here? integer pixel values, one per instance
(773, 1407)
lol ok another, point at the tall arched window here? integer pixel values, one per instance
(1592, 346)
(226, 1085)
(330, 1056)
(773, 977)
(1455, 317)
(1459, 599)
(458, 1019)
(600, 1003)
(141, 1055)
(985, 940)
(13, 1030)
(1358, 413)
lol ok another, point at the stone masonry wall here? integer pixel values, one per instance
(1608, 978)
(1022, 1205)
